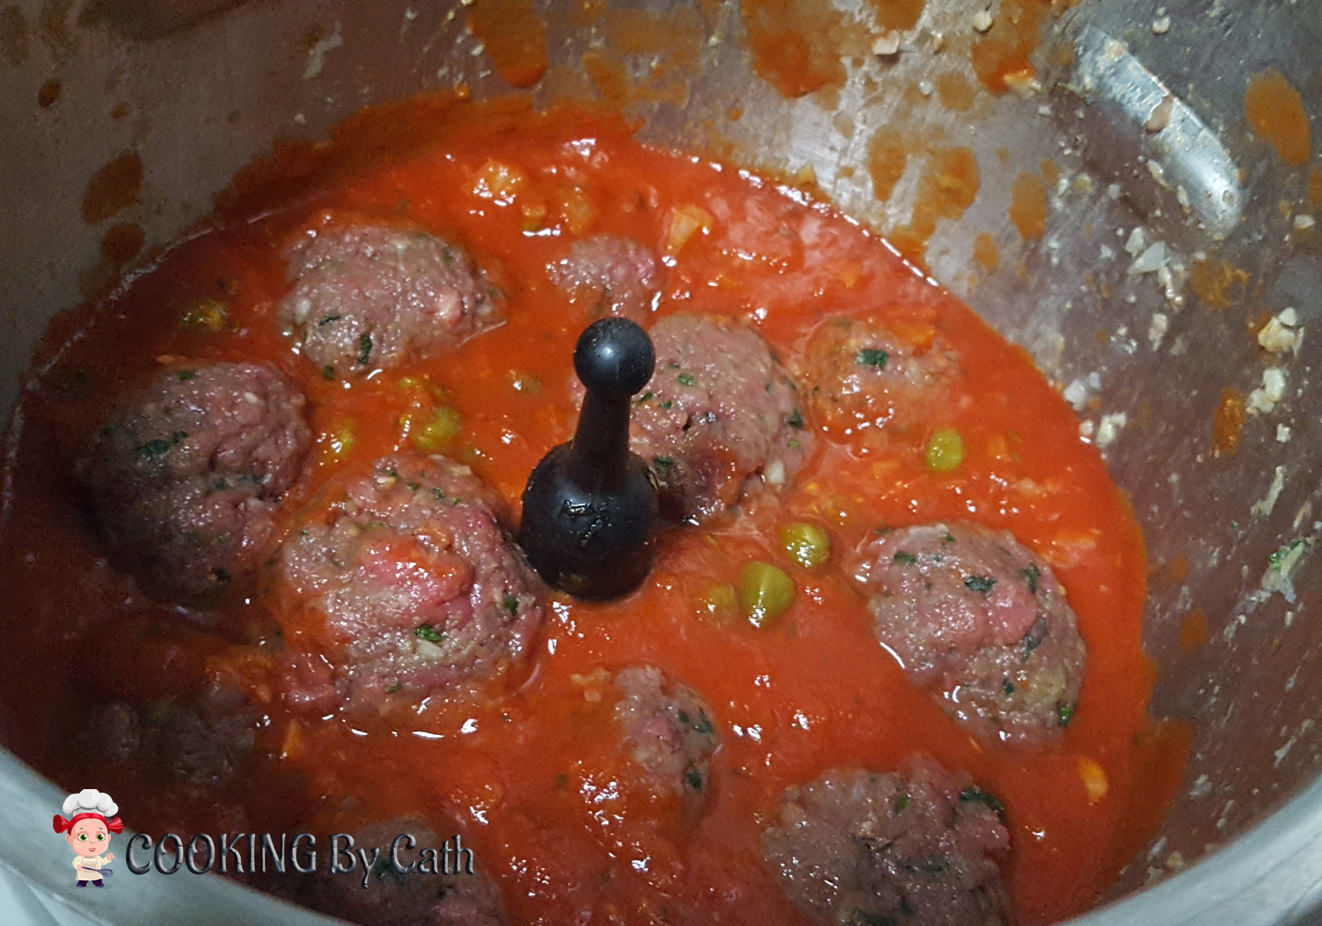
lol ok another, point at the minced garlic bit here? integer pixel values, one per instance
(1094, 779)
(1281, 333)
(1157, 328)
(886, 45)
(982, 20)
(1262, 401)
(1108, 429)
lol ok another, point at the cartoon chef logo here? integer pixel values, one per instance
(90, 821)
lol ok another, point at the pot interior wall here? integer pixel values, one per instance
(1169, 233)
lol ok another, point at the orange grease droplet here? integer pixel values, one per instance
(1193, 630)
(948, 187)
(985, 252)
(115, 186)
(1276, 113)
(1227, 422)
(886, 159)
(795, 46)
(955, 92)
(514, 36)
(1028, 206)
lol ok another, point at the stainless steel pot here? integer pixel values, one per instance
(1141, 112)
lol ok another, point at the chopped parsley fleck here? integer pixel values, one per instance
(328, 372)
(901, 558)
(1030, 575)
(703, 726)
(948, 538)
(511, 603)
(429, 633)
(1277, 559)
(872, 357)
(979, 583)
(364, 348)
(794, 443)
(795, 420)
(1007, 686)
(686, 379)
(693, 778)
(1065, 713)
(413, 486)
(447, 255)
(667, 403)
(327, 319)
(186, 375)
(221, 576)
(901, 801)
(976, 795)
(1033, 639)
(662, 465)
(438, 494)
(643, 398)
(393, 687)
(155, 448)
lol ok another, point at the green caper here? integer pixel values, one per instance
(720, 602)
(765, 592)
(945, 451)
(806, 544)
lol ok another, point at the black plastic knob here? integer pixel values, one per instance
(590, 508)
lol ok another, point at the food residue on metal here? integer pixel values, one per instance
(1227, 423)
(514, 37)
(1028, 206)
(114, 187)
(1276, 113)
(985, 252)
(887, 156)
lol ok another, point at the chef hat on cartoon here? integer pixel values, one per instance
(90, 800)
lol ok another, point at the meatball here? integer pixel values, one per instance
(974, 614)
(452, 891)
(183, 485)
(368, 297)
(609, 275)
(719, 416)
(203, 742)
(867, 376)
(916, 847)
(666, 730)
(405, 581)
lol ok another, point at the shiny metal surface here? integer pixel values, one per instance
(1144, 123)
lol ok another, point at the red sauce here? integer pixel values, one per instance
(790, 701)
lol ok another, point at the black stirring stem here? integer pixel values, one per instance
(590, 506)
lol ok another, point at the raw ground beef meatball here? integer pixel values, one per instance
(608, 275)
(367, 297)
(866, 376)
(916, 847)
(453, 896)
(718, 417)
(405, 582)
(666, 729)
(183, 484)
(204, 742)
(974, 614)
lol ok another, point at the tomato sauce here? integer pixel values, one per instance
(810, 692)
